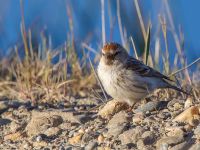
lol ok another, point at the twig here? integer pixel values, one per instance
(198, 59)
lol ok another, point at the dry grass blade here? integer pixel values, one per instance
(103, 22)
(96, 76)
(120, 23)
(140, 19)
(198, 59)
(134, 48)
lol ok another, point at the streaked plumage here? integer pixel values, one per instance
(126, 78)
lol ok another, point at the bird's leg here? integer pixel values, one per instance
(130, 109)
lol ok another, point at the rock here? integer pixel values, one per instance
(195, 147)
(66, 116)
(151, 106)
(3, 107)
(173, 131)
(171, 103)
(52, 132)
(41, 122)
(169, 141)
(197, 130)
(182, 146)
(188, 102)
(14, 127)
(40, 144)
(117, 124)
(148, 137)
(138, 118)
(188, 116)
(13, 136)
(91, 145)
(100, 138)
(131, 135)
(89, 136)
(111, 108)
(4, 121)
(76, 139)
(140, 144)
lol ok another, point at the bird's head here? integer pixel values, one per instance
(112, 52)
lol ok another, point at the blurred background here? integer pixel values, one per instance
(58, 20)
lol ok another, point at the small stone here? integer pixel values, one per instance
(89, 136)
(39, 124)
(52, 132)
(173, 131)
(188, 115)
(13, 136)
(182, 146)
(177, 106)
(138, 118)
(39, 138)
(3, 106)
(188, 102)
(91, 145)
(169, 141)
(197, 132)
(140, 144)
(76, 139)
(148, 137)
(117, 124)
(100, 138)
(195, 147)
(151, 106)
(40, 144)
(4, 121)
(14, 127)
(131, 135)
(111, 108)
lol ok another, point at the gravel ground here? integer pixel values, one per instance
(167, 124)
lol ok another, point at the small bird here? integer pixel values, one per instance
(127, 79)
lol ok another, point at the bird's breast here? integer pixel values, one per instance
(108, 77)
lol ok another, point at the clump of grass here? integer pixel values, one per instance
(36, 78)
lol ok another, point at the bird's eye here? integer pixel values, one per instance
(116, 53)
(103, 54)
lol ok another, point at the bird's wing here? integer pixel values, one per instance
(143, 70)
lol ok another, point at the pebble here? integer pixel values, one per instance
(13, 136)
(195, 147)
(3, 107)
(151, 106)
(117, 124)
(111, 108)
(4, 121)
(174, 130)
(188, 116)
(91, 145)
(76, 139)
(188, 102)
(169, 141)
(131, 135)
(52, 132)
(148, 137)
(138, 118)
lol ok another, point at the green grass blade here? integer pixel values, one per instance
(147, 45)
